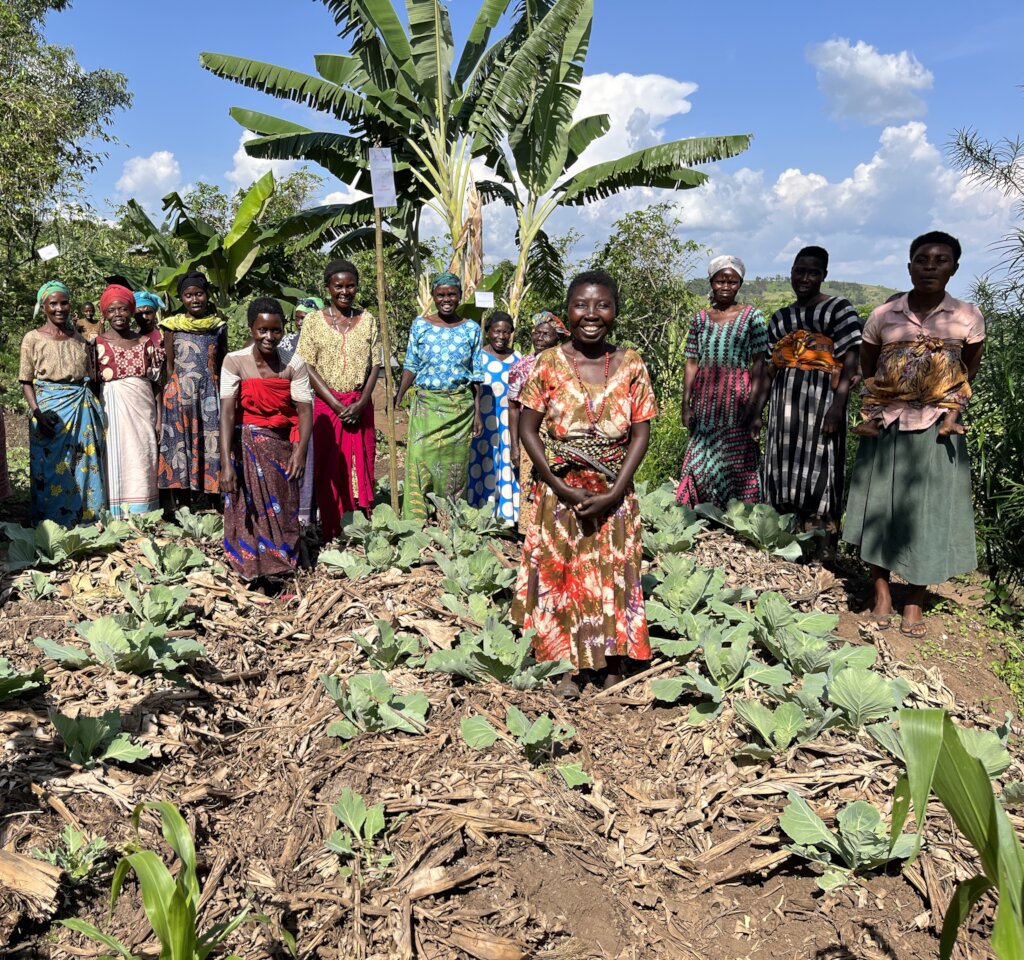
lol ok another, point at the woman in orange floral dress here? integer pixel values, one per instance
(585, 423)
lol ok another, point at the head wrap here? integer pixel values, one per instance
(193, 279)
(311, 303)
(115, 291)
(146, 300)
(546, 316)
(52, 286)
(725, 262)
(446, 280)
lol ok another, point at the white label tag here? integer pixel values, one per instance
(49, 252)
(484, 298)
(382, 177)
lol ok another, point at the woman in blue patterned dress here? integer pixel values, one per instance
(443, 360)
(492, 478)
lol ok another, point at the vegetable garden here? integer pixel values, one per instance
(376, 767)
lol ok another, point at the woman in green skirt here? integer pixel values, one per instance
(443, 360)
(910, 509)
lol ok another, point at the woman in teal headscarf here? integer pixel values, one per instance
(443, 359)
(66, 432)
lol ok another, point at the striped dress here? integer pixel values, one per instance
(803, 468)
(721, 458)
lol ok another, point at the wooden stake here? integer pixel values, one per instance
(385, 336)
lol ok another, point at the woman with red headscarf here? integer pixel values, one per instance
(128, 367)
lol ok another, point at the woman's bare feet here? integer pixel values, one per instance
(882, 610)
(567, 688)
(869, 428)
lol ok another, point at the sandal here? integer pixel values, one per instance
(566, 688)
(915, 630)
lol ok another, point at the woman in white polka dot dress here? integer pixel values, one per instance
(492, 479)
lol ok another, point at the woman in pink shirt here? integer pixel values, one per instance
(910, 509)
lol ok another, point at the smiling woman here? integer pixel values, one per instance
(579, 581)
(66, 434)
(264, 461)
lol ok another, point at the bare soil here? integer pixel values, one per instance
(674, 852)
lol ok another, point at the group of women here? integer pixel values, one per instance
(285, 426)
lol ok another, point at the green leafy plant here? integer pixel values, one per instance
(170, 902)
(36, 586)
(49, 544)
(206, 527)
(495, 653)
(781, 728)
(729, 663)
(476, 607)
(160, 605)
(361, 832)
(538, 739)
(92, 740)
(16, 683)
(75, 854)
(688, 590)
(802, 641)
(370, 705)
(669, 527)
(358, 529)
(479, 572)
(938, 762)
(864, 696)
(988, 746)
(145, 649)
(146, 523)
(761, 525)
(388, 649)
(454, 514)
(860, 844)
(169, 562)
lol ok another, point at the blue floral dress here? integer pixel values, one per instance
(491, 477)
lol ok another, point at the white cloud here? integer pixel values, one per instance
(866, 219)
(637, 107)
(247, 170)
(861, 83)
(148, 179)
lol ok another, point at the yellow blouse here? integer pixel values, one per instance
(343, 360)
(60, 361)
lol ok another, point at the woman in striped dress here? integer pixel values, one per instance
(724, 352)
(814, 345)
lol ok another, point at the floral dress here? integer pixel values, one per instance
(190, 441)
(492, 478)
(579, 581)
(517, 378)
(721, 462)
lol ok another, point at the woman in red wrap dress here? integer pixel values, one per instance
(341, 346)
(262, 462)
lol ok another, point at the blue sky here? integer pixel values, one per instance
(850, 106)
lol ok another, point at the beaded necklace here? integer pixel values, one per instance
(594, 418)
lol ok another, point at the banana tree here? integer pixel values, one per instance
(544, 143)
(238, 262)
(397, 88)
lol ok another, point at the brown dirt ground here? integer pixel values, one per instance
(674, 852)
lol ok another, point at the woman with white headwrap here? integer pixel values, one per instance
(725, 355)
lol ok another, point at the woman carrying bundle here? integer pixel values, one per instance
(264, 460)
(129, 369)
(195, 342)
(579, 582)
(341, 347)
(548, 331)
(443, 359)
(66, 435)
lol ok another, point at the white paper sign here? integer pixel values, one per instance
(382, 177)
(484, 298)
(49, 252)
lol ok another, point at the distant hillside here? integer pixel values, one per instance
(770, 293)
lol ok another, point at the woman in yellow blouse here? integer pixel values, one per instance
(341, 347)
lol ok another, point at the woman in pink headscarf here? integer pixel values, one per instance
(128, 366)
